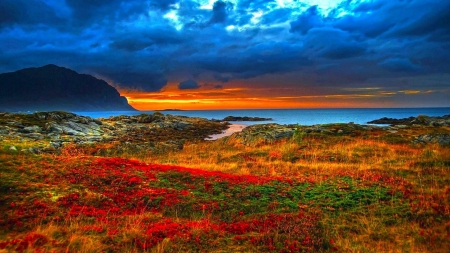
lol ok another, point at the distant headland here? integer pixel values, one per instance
(169, 110)
(51, 87)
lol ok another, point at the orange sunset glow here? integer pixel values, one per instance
(264, 98)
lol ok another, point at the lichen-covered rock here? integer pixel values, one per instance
(419, 120)
(442, 139)
(31, 129)
(4, 130)
(35, 136)
(265, 133)
(56, 115)
(57, 128)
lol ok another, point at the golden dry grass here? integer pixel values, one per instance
(422, 171)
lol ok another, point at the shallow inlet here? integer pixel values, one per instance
(232, 129)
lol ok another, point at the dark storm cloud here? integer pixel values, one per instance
(398, 18)
(144, 44)
(142, 38)
(188, 85)
(311, 18)
(220, 11)
(437, 19)
(146, 77)
(88, 12)
(338, 44)
(26, 12)
(399, 64)
(261, 59)
(221, 78)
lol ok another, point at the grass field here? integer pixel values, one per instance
(374, 192)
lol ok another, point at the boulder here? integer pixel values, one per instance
(30, 129)
(422, 120)
(54, 128)
(55, 144)
(146, 119)
(97, 121)
(4, 130)
(55, 115)
(245, 118)
(265, 133)
(35, 136)
(442, 139)
(419, 120)
(181, 125)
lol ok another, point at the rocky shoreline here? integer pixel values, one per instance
(419, 120)
(245, 118)
(49, 131)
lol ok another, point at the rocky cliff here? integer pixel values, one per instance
(56, 88)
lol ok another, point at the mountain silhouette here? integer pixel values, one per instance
(51, 87)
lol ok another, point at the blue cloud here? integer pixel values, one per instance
(143, 44)
(399, 65)
(311, 18)
(188, 85)
(333, 44)
(220, 11)
(26, 12)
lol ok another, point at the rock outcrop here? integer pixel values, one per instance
(55, 129)
(51, 87)
(442, 139)
(269, 133)
(419, 120)
(245, 118)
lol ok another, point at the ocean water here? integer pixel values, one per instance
(295, 116)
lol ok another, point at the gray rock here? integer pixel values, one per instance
(55, 144)
(84, 120)
(422, 120)
(4, 130)
(181, 125)
(14, 123)
(52, 127)
(262, 133)
(30, 129)
(94, 138)
(75, 127)
(35, 136)
(146, 119)
(34, 150)
(442, 139)
(97, 121)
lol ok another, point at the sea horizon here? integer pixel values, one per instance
(292, 116)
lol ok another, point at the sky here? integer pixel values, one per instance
(236, 54)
